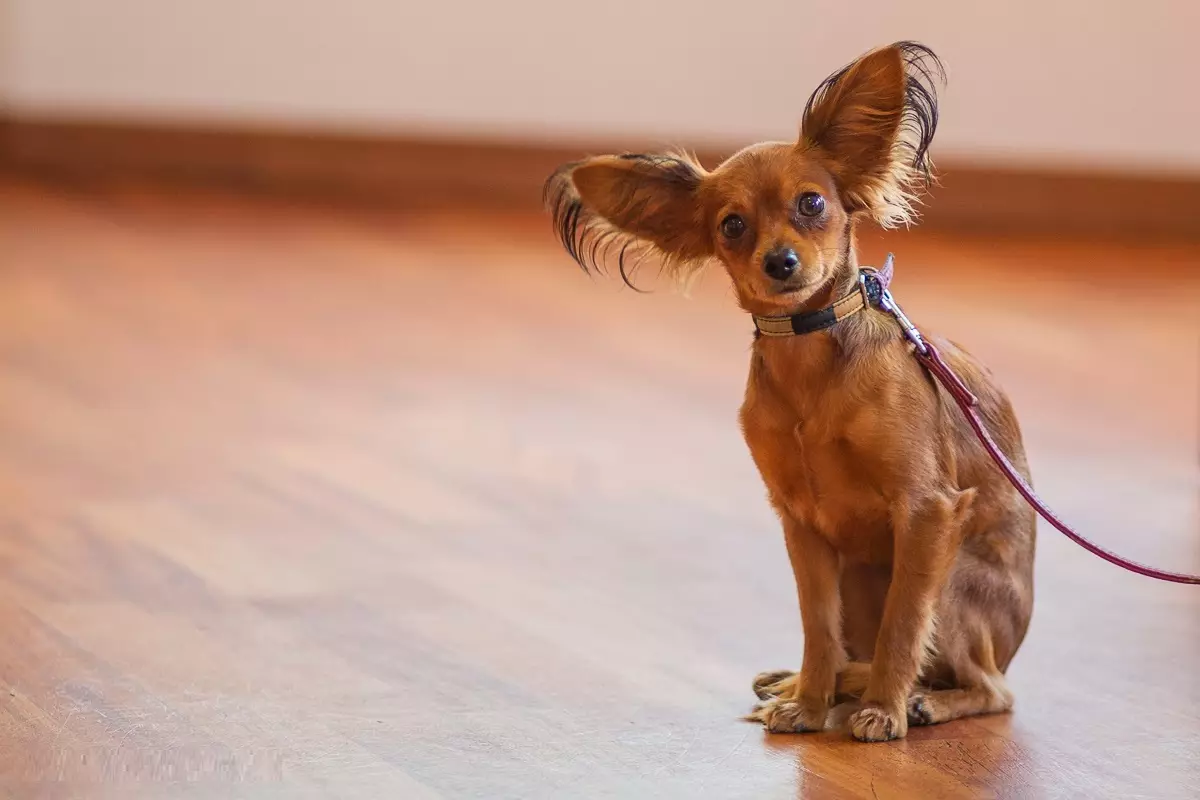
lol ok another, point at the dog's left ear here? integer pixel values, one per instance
(872, 124)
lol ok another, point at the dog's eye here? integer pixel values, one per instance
(811, 204)
(733, 226)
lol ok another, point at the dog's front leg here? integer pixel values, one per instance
(805, 705)
(927, 534)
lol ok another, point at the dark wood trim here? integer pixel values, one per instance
(428, 170)
(1093, 203)
(405, 170)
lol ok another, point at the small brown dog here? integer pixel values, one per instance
(913, 556)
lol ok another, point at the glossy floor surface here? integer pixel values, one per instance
(311, 502)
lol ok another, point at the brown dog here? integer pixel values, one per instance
(913, 556)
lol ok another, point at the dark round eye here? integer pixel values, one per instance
(811, 204)
(733, 226)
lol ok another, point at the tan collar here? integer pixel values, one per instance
(871, 290)
(811, 321)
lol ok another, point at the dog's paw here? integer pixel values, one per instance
(788, 716)
(874, 724)
(774, 683)
(920, 712)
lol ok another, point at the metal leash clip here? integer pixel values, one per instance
(888, 304)
(878, 295)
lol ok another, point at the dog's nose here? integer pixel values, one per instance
(780, 263)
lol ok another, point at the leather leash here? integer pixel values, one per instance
(932, 361)
(874, 288)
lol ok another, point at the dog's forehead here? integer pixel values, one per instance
(768, 172)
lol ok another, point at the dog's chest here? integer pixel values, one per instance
(833, 488)
(818, 452)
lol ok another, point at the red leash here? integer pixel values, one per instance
(929, 357)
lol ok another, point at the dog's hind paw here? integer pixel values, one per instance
(773, 683)
(919, 710)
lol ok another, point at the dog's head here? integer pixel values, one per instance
(778, 216)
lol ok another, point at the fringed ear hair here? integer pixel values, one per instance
(634, 206)
(873, 121)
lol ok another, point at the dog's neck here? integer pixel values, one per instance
(844, 281)
(812, 360)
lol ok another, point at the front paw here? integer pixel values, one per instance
(790, 716)
(874, 724)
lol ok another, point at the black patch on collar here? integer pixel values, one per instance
(814, 321)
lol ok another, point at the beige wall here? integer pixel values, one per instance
(6, 51)
(1031, 80)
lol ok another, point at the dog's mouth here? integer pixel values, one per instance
(799, 285)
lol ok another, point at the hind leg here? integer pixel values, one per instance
(976, 641)
(934, 707)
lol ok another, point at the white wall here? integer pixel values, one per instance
(1086, 81)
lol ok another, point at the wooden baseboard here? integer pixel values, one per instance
(429, 171)
(402, 170)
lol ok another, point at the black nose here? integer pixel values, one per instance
(780, 263)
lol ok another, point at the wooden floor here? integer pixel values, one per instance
(301, 502)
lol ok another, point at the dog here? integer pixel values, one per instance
(912, 554)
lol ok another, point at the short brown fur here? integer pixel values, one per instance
(913, 556)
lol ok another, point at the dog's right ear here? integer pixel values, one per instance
(634, 204)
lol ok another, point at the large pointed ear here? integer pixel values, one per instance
(873, 122)
(631, 206)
